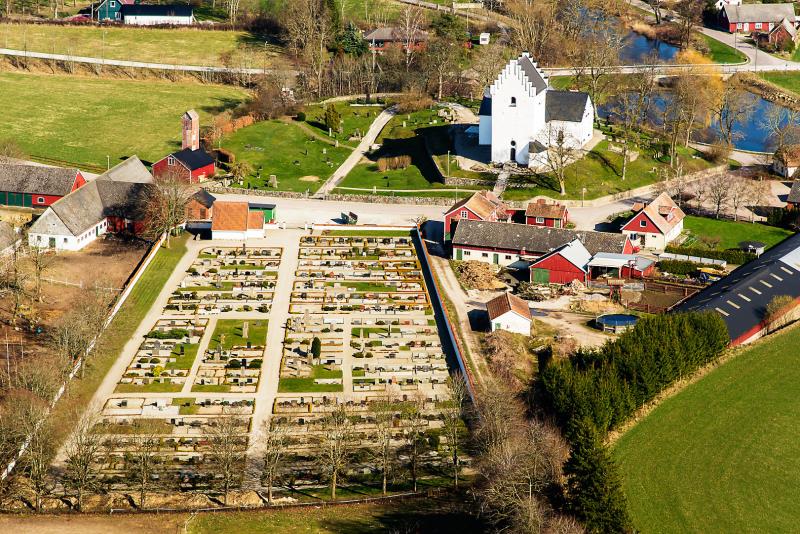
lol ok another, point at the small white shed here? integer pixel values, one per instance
(511, 313)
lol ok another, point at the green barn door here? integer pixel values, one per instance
(459, 254)
(495, 259)
(541, 276)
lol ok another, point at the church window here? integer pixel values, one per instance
(513, 101)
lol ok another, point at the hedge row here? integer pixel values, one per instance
(609, 384)
(678, 266)
(731, 255)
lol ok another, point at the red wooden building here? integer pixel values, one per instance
(481, 206)
(749, 18)
(192, 163)
(544, 213)
(36, 186)
(381, 39)
(563, 265)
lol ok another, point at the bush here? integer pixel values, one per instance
(678, 267)
(155, 360)
(174, 333)
(719, 152)
(409, 103)
(254, 364)
(234, 364)
(316, 347)
(393, 163)
(731, 255)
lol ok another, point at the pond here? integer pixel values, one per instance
(749, 134)
(636, 48)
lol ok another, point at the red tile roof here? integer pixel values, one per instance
(506, 303)
(548, 210)
(255, 220)
(232, 216)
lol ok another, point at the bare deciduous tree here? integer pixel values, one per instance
(409, 26)
(383, 410)
(30, 423)
(41, 260)
(734, 106)
(718, 192)
(414, 433)
(592, 58)
(738, 190)
(561, 152)
(273, 443)
(336, 446)
(142, 460)
(164, 205)
(14, 280)
(453, 419)
(84, 448)
(783, 125)
(227, 443)
(632, 107)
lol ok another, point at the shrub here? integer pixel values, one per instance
(678, 267)
(254, 364)
(155, 360)
(301, 116)
(393, 163)
(409, 103)
(234, 364)
(174, 333)
(719, 152)
(316, 347)
(731, 255)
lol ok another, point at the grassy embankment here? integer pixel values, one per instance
(732, 233)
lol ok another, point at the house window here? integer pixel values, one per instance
(38, 239)
(539, 220)
(170, 161)
(508, 256)
(513, 101)
(484, 254)
(643, 223)
(65, 240)
(40, 200)
(739, 26)
(464, 214)
(466, 253)
(758, 25)
(113, 4)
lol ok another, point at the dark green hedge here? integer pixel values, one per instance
(731, 255)
(678, 266)
(609, 384)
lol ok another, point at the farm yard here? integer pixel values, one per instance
(64, 119)
(738, 423)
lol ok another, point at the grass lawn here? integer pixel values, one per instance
(368, 233)
(68, 117)
(153, 387)
(174, 46)
(285, 150)
(722, 455)
(787, 80)
(298, 385)
(187, 405)
(232, 329)
(722, 53)
(211, 388)
(185, 360)
(354, 119)
(364, 286)
(121, 329)
(732, 233)
(599, 172)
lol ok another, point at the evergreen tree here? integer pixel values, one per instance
(351, 42)
(332, 118)
(316, 347)
(594, 490)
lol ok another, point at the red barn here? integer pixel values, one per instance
(36, 186)
(749, 18)
(192, 165)
(563, 265)
(481, 206)
(544, 213)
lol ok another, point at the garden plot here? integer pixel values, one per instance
(227, 279)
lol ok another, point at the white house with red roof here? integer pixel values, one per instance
(655, 225)
(481, 206)
(511, 313)
(236, 221)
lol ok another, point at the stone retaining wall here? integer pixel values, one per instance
(372, 199)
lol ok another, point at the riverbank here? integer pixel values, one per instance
(762, 86)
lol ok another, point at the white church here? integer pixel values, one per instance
(521, 115)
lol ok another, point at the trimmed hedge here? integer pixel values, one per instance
(731, 255)
(609, 384)
(678, 266)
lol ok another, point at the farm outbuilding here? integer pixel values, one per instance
(628, 266)
(511, 313)
(562, 266)
(36, 186)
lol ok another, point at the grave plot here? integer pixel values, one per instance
(165, 357)
(340, 274)
(177, 428)
(234, 357)
(312, 356)
(228, 279)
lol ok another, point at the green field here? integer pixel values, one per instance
(354, 120)
(722, 455)
(184, 46)
(83, 120)
(787, 80)
(153, 387)
(732, 233)
(287, 151)
(302, 385)
(232, 330)
(599, 172)
(185, 360)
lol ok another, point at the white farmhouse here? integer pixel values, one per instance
(521, 115)
(157, 15)
(511, 313)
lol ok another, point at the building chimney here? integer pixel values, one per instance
(191, 130)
